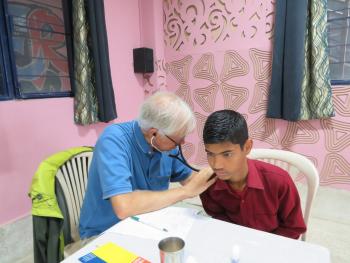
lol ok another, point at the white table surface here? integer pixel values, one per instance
(211, 241)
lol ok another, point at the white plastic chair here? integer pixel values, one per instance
(295, 164)
(71, 182)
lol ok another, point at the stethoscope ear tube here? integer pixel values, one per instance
(182, 159)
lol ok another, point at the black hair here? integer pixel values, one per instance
(225, 126)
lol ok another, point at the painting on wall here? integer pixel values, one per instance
(39, 39)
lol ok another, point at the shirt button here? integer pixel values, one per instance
(242, 201)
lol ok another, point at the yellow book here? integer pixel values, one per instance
(112, 253)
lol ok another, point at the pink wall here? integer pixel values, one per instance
(218, 55)
(151, 24)
(31, 130)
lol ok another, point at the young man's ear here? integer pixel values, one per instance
(248, 146)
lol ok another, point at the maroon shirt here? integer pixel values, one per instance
(269, 201)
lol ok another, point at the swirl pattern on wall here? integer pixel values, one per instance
(234, 97)
(192, 24)
(263, 129)
(184, 92)
(259, 100)
(301, 132)
(205, 68)
(181, 69)
(200, 118)
(161, 69)
(270, 20)
(335, 170)
(337, 135)
(341, 99)
(261, 63)
(234, 66)
(205, 97)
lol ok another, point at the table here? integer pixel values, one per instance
(210, 240)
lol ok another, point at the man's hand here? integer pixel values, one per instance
(144, 201)
(199, 182)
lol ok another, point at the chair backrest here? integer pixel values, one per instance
(71, 181)
(295, 164)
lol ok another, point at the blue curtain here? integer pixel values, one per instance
(300, 84)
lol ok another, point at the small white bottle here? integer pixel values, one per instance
(235, 254)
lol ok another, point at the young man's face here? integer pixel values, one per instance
(228, 160)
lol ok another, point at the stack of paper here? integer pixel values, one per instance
(177, 221)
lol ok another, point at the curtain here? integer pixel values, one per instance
(316, 100)
(102, 72)
(300, 84)
(94, 95)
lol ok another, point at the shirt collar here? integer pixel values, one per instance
(140, 139)
(253, 179)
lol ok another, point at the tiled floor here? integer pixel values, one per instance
(16, 241)
(329, 226)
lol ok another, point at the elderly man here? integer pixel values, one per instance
(131, 167)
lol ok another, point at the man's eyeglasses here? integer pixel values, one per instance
(179, 156)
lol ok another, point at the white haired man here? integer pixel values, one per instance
(131, 167)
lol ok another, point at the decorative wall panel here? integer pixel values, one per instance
(191, 24)
(219, 56)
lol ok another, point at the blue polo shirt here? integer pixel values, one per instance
(123, 162)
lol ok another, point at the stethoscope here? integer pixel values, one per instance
(182, 159)
(179, 156)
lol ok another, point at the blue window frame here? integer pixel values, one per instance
(6, 80)
(339, 41)
(35, 49)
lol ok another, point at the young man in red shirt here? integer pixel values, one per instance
(247, 192)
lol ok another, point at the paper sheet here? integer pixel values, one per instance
(177, 220)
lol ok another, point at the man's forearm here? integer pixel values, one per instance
(139, 202)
